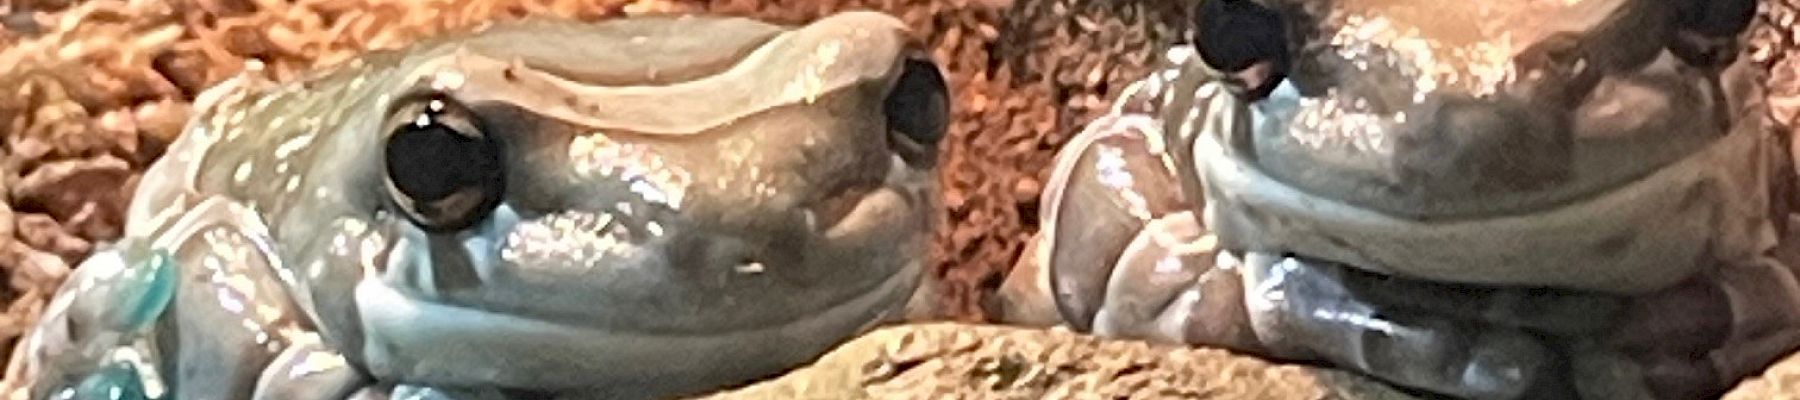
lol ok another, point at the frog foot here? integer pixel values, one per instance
(1309, 310)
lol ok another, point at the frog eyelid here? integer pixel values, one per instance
(412, 104)
(838, 52)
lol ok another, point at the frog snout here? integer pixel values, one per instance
(1460, 145)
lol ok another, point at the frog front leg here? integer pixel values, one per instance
(308, 369)
(227, 319)
(1123, 254)
(87, 343)
(233, 318)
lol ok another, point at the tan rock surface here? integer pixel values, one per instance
(959, 361)
(1781, 381)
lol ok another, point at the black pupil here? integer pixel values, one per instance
(431, 161)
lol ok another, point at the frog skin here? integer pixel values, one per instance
(1454, 197)
(641, 207)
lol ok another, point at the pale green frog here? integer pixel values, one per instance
(1525, 199)
(638, 207)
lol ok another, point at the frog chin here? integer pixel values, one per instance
(414, 340)
(1637, 237)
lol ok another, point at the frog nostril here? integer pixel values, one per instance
(1238, 35)
(918, 111)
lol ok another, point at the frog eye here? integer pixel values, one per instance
(442, 170)
(1708, 30)
(1243, 38)
(918, 111)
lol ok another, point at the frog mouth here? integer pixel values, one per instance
(638, 320)
(429, 342)
(1636, 237)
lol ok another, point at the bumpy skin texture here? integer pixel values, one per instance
(1596, 211)
(643, 207)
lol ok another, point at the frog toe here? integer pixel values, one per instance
(1166, 287)
(1108, 182)
(309, 370)
(116, 381)
(1024, 298)
(1305, 310)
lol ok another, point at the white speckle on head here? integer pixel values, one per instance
(288, 147)
(762, 189)
(1179, 54)
(201, 132)
(448, 81)
(749, 268)
(651, 193)
(263, 103)
(293, 182)
(237, 117)
(809, 82)
(242, 173)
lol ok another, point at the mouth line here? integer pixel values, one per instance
(496, 275)
(1631, 238)
(864, 210)
(854, 197)
(426, 341)
(831, 210)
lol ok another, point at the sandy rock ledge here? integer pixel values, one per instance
(1780, 382)
(952, 360)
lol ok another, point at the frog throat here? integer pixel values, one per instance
(425, 342)
(1637, 237)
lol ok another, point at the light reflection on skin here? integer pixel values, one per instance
(650, 176)
(1437, 47)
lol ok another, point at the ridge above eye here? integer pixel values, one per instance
(442, 169)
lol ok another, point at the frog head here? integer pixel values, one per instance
(562, 205)
(1483, 143)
